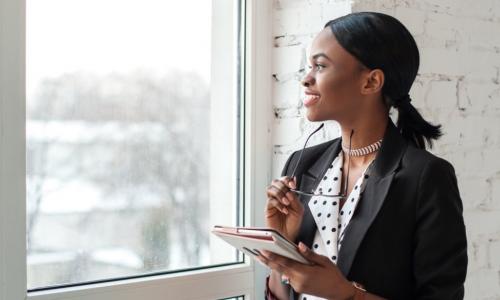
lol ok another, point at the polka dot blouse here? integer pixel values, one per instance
(332, 221)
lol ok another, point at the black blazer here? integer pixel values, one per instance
(406, 239)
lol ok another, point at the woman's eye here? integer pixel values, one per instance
(318, 66)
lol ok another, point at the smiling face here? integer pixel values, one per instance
(336, 81)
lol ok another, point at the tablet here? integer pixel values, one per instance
(250, 240)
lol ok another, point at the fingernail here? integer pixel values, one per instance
(302, 247)
(285, 210)
(285, 200)
(292, 184)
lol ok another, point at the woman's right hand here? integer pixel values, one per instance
(284, 210)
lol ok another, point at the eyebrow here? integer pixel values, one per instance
(320, 55)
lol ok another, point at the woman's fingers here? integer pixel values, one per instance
(293, 200)
(312, 256)
(275, 192)
(280, 196)
(289, 181)
(295, 203)
(273, 203)
(283, 261)
(262, 260)
(272, 264)
(282, 187)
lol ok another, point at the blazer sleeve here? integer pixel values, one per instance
(440, 255)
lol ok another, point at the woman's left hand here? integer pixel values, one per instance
(323, 278)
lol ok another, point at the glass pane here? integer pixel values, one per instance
(125, 157)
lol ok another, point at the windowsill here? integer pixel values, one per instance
(241, 273)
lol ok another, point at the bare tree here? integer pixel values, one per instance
(172, 167)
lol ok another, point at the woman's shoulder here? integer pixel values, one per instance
(432, 181)
(424, 161)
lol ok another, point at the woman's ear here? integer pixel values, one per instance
(373, 81)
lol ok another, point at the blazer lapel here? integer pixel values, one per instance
(308, 182)
(374, 192)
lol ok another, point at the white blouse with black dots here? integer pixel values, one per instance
(325, 210)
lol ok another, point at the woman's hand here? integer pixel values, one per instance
(284, 210)
(323, 279)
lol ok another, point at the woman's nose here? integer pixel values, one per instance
(307, 80)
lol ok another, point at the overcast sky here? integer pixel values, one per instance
(105, 36)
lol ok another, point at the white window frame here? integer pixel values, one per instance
(244, 279)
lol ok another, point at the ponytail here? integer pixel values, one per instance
(412, 125)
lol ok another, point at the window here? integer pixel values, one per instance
(126, 148)
(86, 140)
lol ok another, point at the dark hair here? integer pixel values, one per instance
(380, 41)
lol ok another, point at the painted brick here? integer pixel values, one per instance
(458, 86)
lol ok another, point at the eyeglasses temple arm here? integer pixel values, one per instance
(302, 151)
(348, 162)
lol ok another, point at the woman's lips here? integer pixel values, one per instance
(310, 100)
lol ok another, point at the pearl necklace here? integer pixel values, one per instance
(364, 150)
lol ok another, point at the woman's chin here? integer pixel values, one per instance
(314, 116)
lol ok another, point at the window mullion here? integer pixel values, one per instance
(12, 149)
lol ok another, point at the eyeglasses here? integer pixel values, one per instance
(343, 193)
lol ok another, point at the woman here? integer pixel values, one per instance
(378, 215)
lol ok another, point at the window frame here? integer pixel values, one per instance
(245, 278)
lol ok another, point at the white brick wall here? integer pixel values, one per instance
(458, 86)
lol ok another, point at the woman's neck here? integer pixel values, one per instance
(366, 132)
